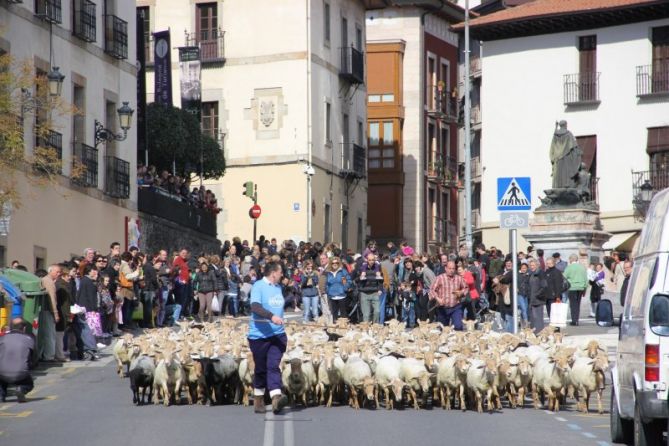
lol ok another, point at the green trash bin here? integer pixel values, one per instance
(31, 287)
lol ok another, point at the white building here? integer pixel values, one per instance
(609, 83)
(283, 84)
(93, 44)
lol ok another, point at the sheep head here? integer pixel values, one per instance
(369, 387)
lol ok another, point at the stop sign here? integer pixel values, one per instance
(255, 211)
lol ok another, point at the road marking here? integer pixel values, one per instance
(268, 438)
(24, 414)
(5, 407)
(602, 426)
(603, 443)
(548, 412)
(575, 427)
(560, 419)
(289, 432)
(591, 415)
(51, 397)
(589, 435)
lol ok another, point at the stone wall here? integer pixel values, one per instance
(158, 233)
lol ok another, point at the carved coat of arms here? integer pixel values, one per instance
(267, 112)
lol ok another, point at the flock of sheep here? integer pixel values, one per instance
(364, 363)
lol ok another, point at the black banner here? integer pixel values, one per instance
(191, 90)
(141, 90)
(163, 67)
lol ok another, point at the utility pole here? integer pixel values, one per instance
(468, 137)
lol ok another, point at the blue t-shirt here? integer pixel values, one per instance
(271, 298)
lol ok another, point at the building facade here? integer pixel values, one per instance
(608, 83)
(93, 45)
(283, 89)
(412, 108)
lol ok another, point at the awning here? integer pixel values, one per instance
(623, 241)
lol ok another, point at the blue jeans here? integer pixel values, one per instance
(565, 297)
(508, 322)
(233, 304)
(409, 313)
(523, 305)
(162, 300)
(448, 315)
(382, 306)
(310, 304)
(172, 313)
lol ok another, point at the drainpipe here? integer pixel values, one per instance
(309, 141)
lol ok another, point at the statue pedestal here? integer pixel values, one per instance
(568, 231)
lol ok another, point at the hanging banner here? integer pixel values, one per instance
(191, 90)
(163, 68)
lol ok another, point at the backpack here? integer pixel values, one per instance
(565, 284)
(604, 313)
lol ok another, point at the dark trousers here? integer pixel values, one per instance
(183, 298)
(537, 317)
(549, 302)
(575, 305)
(267, 355)
(85, 338)
(337, 308)
(25, 384)
(448, 315)
(147, 306)
(421, 307)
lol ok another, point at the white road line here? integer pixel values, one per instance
(575, 427)
(268, 438)
(289, 431)
(548, 412)
(589, 435)
(603, 443)
(561, 419)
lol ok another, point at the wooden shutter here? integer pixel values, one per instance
(660, 69)
(658, 140)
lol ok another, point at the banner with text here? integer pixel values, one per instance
(163, 68)
(191, 90)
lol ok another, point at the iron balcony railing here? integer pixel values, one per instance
(49, 10)
(162, 204)
(116, 37)
(352, 65)
(117, 177)
(440, 103)
(211, 43)
(53, 142)
(84, 20)
(581, 88)
(645, 184)
(85, 164)
(652, 79)
(354, 161)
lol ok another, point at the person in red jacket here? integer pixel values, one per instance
(182, 290)
(469, 302)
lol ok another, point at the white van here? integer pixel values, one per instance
(639, 403)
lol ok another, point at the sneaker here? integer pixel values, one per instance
(101, 345)
(258, 404)
(20, 396)
(592, 314)
(278, 403)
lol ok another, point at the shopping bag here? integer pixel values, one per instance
(215, 305)
(559, 314)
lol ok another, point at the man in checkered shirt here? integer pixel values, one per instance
(448, 290)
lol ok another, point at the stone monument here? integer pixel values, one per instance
(568, 219)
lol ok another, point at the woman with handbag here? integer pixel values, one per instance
(205, 279)
(125, 288)
(503, 287)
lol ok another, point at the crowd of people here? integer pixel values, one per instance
(177, 187)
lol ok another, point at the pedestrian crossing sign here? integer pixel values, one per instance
(514, 194)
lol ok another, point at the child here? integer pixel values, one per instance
(408, 300)
(245, 294)
(106, 305)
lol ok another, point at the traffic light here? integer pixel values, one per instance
(248, 189)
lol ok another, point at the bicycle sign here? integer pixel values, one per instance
(514, 220)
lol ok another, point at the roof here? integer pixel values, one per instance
(547, 16)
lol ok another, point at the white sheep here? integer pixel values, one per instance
(587, 376)
(452, 380)
(550, 378)
(482, 379)
(388, 379)
(329, 376)
(167, 379)
(358, 377)
(246, 370)
(417, 377)
(124, 353)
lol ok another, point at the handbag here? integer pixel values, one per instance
(123, 282)
(559, 314)
(215, 305)
(138, 312)
(565, 284)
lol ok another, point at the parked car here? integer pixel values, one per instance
(640, 378)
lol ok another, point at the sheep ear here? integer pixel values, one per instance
(601, 349)
(481, 367)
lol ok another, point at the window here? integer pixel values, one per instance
(346, 142)
(658, 149)
(660, 77)
(210, 119)
(144, 12)
(110, 123)
(84, 25)
(326, 23)
(381, 145)
(79, 119)
(3, 256)
(431, 82)
(207, 21)
(328, 123)
(358, 38)
(344, 228)
(39, 254)
(587, 63)
(444, 142)
(327, 223)
(361, 134)
(376, 98)
(360, 236)
(432, 143)
(344, 32)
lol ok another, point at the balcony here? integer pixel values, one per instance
(652, 80)
(476, 117)
(437, 232)
(161, 203)
(443, 171)
(476, 168)
(581, 88)
(475, 67)
(476, 219)
(85, 165)
(352, 65)
(440, 104)
(645, 185)
(117, 177)
(211, 44)
(359, 168)
(48, 152)
(49, 10)
(116, 37)
(84, 20)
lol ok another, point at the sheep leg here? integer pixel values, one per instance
(586, 399)
(479, 401)
(390, 401)
(166, 395)
(304, 399)
(376, 397)
(490, 396)
(463, 406)
(512, 396)
(535, 396)
(521, 397)
(600, 409)
(353, 398)
(412, 392)
(156, 390)
(189, 395)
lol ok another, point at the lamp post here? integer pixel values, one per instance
(646, 193)
(55, 78)
(125, 120)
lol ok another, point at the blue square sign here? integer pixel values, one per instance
(514, 194)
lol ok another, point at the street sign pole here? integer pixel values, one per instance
(255, 220)
(514, 262)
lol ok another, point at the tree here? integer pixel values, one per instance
(23, 94)
(175, 140)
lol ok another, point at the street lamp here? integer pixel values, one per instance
(55, 78)
(125, 120)
(646, 192)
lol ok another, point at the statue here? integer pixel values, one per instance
(565, 157)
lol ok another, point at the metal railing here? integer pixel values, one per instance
(52, 141)
(116, 37)
(49, 10)
(84, 20)
(352, 65)
(581, 88)
(440, 103)
(85, 163)
(652, 79)
(476, 114)
(354, 160)
(211, 43)
(117, 177)
(645, 184)
(476, 169)
(162, 204)
(443, 170)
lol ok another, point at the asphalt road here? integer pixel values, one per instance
(86, 403)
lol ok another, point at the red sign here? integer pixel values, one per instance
(255, 211)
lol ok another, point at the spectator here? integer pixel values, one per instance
(577, 276)
(370, 285)
(538, 289)
(627, 270)
(16, 353)
(48, 316)
(337, 284)
(448, 290)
